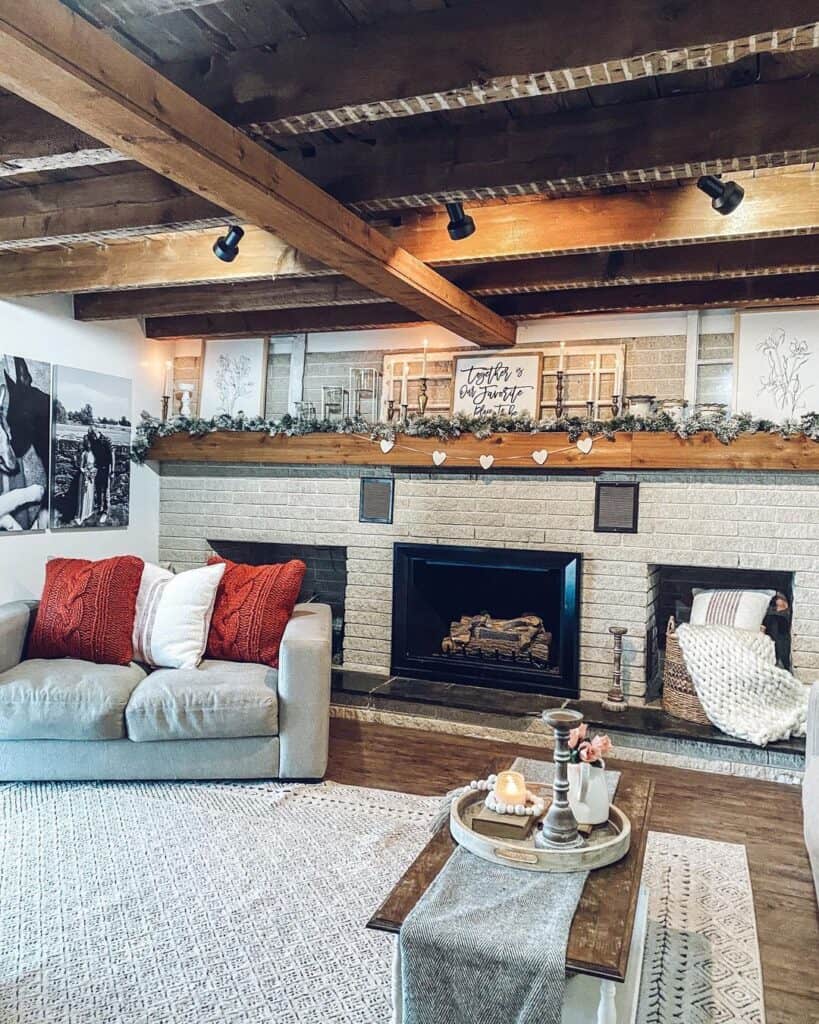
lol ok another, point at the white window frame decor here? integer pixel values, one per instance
(440, 365)
(695, 328)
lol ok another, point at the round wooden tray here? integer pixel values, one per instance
(606, 844)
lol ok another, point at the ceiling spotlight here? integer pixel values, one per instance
(227, 246)
(460, 224)
(725, 195)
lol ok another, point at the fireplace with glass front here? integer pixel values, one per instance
(499, 617)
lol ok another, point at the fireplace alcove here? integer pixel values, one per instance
(435, 585)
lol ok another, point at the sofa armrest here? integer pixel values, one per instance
(14, 622)
(812, 742)
(305, 658)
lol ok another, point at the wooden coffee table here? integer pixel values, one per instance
(607, 936)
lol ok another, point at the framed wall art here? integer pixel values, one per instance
(777, 364)
(507, 385)
(234, 378)
(25, 439)
(90, 451)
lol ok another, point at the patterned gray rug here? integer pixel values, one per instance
(242, 904)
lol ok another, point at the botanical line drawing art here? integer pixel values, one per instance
(233, 381)
(786, 378)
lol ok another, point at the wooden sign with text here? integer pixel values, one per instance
(501, 384)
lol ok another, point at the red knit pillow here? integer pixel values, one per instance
(254, 603)
(87, 610)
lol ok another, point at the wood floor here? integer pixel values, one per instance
(764, 816)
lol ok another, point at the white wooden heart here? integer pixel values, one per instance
(439, 458)
(486, 461)
(540, 456)
(585, 445)
(387, 446)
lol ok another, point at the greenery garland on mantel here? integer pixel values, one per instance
(726, 428)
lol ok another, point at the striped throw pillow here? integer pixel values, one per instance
(173, 615)
(741, 609)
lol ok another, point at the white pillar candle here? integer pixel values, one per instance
(404, 379)
(560, 365)
(168, 391)
(591, 381)
(424, 366)
(510, 789)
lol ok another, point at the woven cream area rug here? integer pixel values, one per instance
(241, 904)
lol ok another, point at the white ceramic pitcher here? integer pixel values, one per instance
(588, 795)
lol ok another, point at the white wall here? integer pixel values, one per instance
(43, 328)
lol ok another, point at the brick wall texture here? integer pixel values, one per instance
(654, 366)
(748, 520)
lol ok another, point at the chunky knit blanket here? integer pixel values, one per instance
(740, 686)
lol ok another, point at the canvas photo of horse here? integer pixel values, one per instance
(90, 454)
(25, 433)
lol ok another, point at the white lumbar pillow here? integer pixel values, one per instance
(741, 609)
(173, 615)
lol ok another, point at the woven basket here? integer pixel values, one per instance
(679, 696)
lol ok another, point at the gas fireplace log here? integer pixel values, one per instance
(520, 639)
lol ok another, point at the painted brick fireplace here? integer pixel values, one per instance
(731, 520)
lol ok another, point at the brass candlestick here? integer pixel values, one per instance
(166, 399)
(616, 699)
(422, 395)
(403, 412)
(560, 825)
(615, 405)
(589, 410)
(390, 409)
(559, 394)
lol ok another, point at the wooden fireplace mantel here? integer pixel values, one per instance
(640, 451)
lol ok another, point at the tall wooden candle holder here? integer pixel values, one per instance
(616, 699)
(560, 825)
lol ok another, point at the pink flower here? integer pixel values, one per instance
(578, 734)
(596, 749)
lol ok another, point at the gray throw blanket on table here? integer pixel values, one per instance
(486, 944)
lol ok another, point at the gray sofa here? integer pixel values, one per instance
(65, 719)
(810, 785)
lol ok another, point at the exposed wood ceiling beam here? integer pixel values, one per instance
(99, 208)
(280, 321)
(774, 206)
(796, 289)
(788, 289)
(678, 137)
(58, 61)
(33, 140)
(483, 55)
(797, 254)
(766, 125)
(486, 53)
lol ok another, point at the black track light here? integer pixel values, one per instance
(227, 246)
(460, 224)
(725, 195)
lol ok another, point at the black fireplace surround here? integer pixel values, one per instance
(434, 585)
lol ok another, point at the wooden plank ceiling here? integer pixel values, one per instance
(574, 133)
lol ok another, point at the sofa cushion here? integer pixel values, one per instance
(218, 700)
(87, 610)
(173, 615)
(254, 603)
(65, 699)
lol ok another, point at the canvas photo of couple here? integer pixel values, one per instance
(90, 452)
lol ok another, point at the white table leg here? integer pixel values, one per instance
(607, 1007)
(397, 988)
